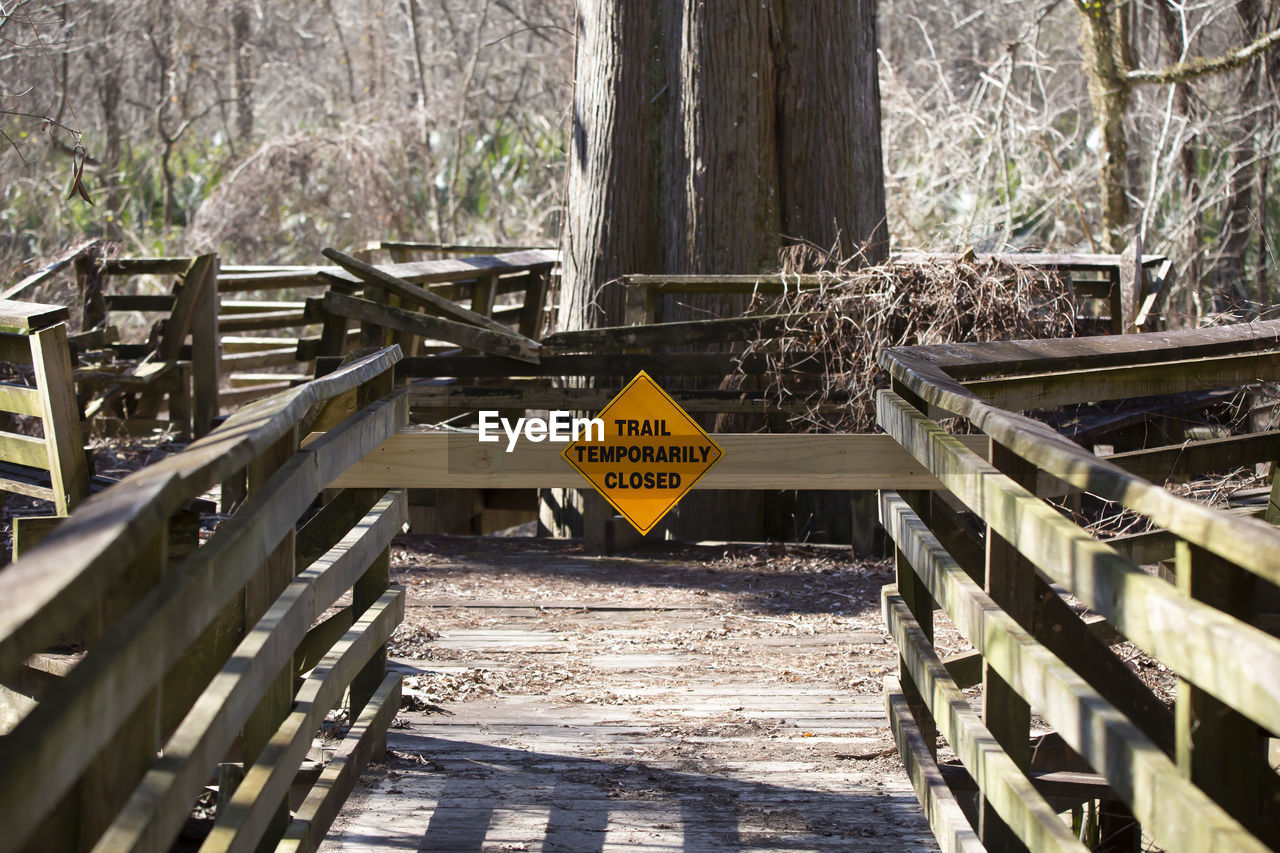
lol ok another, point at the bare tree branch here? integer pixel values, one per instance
(1193, 68)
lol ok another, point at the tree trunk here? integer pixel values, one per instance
(708, 136)
(1105, 40)
(242, 67)
(1238, 218)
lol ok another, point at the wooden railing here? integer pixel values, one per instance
(1109, 286)
(206, 660)
(1195, 777)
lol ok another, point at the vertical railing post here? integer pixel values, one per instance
(1011, 581)
(1219, 749)
(271, 579)
(915, 594)
(373, 583)
(206, 353)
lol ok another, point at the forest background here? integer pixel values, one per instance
(268, 129)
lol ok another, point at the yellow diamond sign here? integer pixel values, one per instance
(652, 453)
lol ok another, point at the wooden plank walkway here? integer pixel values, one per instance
(688, 701)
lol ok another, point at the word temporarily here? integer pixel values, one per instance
(638, 453)
(560, 427)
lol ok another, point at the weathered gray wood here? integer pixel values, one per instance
(21, 449)
(205, 354)
(1050, 390)
(271, 579)
(1177, 813)
(947, 821)
(25, 317)
(622, 365)
(1208, 647)
(60, 414)
(1194, 458)
(426, 299)
(266, 784)
(1249, 543)
(50, 269)
(263, 321)
(318, 810)
(1012, 795)
(146, 266)
(1011, 582)
(1219, 749)
(615, 338)
(93, 701)
(430, 327)
(155, 813)
(256, 306)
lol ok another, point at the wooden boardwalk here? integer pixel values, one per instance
(642, 704)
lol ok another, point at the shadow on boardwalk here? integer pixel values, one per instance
(444, 795)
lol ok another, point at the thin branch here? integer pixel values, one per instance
(1193, 68)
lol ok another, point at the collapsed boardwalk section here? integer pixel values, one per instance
(205, 660)
(1195, 777)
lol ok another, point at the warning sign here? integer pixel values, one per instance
(652, 453)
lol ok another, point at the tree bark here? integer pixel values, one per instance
(1104, 38)
(707, 136)
(242, 49)
(1237, 221)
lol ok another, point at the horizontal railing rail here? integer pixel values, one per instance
(194, 647)
(1193, 777)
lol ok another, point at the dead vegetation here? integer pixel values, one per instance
(857, 311)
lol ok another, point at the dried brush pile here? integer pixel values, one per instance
(855, 312)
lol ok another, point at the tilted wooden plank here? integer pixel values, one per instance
(509, 345)
(420, 296)
(453, 248)
(266, 784)
(1248, 543)
(1050, 390)
(462, 269)
(1174, 811)
(1005, 786)
(947, 821)
(422, 458)
(157, 809)
(50, 269)
(1234, 661)
(134, 654)
(339, 777)
(180, 321)
(48, 591)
